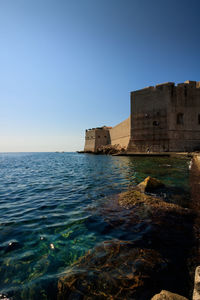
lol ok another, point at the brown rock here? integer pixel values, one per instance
(165, 295)
(112, 270)
(110, 149)
(135, 197)
(196, 292)
(150, 184)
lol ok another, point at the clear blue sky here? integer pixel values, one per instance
(68, 65)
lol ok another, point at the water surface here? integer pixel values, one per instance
(53, 210)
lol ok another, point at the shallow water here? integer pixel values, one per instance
(56, 206)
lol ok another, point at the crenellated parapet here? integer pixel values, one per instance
(168, 85)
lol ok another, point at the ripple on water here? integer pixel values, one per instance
(55, 207)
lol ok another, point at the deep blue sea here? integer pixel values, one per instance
(54, 208)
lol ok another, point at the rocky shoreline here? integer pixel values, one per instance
(164, 261)
(107, 149)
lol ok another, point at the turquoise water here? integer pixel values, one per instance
(53, 208)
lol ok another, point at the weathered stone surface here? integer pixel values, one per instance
(97, 138)
(113, 270)
(165, 295)
(155, 205)
(162, 120)
(120, 134)
(196, 293)
(150, 184)
(135, 197)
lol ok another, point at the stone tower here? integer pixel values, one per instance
(166, 118)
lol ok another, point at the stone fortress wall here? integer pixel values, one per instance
(184, 117)
(164, 118)
(118, 135)
(89, 140)
(96, 137)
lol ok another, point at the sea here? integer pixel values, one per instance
(55, 207)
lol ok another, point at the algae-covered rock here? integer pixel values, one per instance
(113, 270)
(135, 197)
(165, 295)
(150, 184)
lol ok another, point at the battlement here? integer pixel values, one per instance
(191, 83)
(99, 128)
(169, 86)
(165, 84)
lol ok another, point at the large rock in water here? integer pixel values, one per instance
(136, 198)
(150, 184)
(165, 295)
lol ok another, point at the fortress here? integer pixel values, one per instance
(164, 118)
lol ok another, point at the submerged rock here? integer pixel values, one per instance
(135, 197)
(150, 184)
(113, 270)
(165, 295)
(152, 204)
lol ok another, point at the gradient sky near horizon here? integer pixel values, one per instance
(68, 65)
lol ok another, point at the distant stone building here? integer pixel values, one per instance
(102, 136)
(164, 118)
(96, 137)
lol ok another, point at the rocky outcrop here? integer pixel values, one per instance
(110, 149)
(165, 295)
(106, 149)
(150, 184)
(136, 198)
(154, 258)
